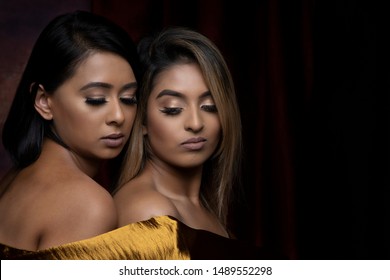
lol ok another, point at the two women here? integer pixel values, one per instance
(78, 101)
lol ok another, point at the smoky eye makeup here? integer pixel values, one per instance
(131, 100)
(94, 96)
(128, 96)
(208, 104)
(95, 101)
(171, 111)
(170, 105)
(102, 100)
(211, 108)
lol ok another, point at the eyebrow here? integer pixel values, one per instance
(108, 86)
(168, 92)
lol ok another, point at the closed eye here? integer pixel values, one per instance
(210, 108)
(129, 100)
(95, 101)
(171, 110)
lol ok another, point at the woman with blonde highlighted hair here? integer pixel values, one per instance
(185, 149)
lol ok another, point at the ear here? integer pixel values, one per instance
(42, 103)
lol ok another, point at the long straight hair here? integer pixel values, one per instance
(64, 43)
(174, 46)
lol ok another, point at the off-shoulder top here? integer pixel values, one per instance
(159, 238)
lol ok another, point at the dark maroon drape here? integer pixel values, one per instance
(267, 45)
(263, 49)
(312, 83)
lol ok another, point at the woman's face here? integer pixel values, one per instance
(93, 112)
(182, 122)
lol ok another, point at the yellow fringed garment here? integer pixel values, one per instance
(154, 239)
(159, 238)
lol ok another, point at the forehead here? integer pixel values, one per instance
(98, 62)
(186, 79)
(101, 67)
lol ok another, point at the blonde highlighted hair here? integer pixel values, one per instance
(177, 45)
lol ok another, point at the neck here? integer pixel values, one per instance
(174, 182)
(55, 152)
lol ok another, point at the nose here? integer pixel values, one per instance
(194, 121)
(115, 115)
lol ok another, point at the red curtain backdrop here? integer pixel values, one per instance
(268, 46)
(314, 103)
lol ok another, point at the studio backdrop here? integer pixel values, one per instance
(314, 101)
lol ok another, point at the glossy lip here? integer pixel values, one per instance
(194, 144)
(114, 140)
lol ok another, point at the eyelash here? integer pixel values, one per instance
(171, 110)
(176, 110)
(95, 101)
(210, 108)
(129, 100)
(101, 101)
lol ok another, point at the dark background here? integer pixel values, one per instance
(312, 80)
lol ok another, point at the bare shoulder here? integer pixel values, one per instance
(77, 208)
(87, 199)
(138, 200)
(48, 207)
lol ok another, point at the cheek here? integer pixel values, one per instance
(215, 127)
(78, 124)
(160, 129)
(75, 120)
(66, 107)
(68, 116)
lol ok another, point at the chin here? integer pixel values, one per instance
(190, 164)
(110, 154)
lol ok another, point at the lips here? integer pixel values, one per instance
(194, 144)
(113, 140)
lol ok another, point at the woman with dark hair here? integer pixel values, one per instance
(184, 154)
(74, 109)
